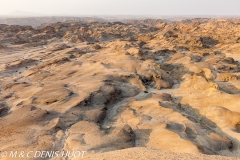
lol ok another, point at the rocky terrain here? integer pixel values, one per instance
(150, 87)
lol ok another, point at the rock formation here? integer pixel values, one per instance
(105, 86)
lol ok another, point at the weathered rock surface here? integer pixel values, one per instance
(106, 86)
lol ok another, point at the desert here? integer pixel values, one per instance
(131, 89)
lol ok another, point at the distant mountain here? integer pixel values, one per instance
(24, 14)
(37, 21)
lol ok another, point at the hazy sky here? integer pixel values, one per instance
(123, 7)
